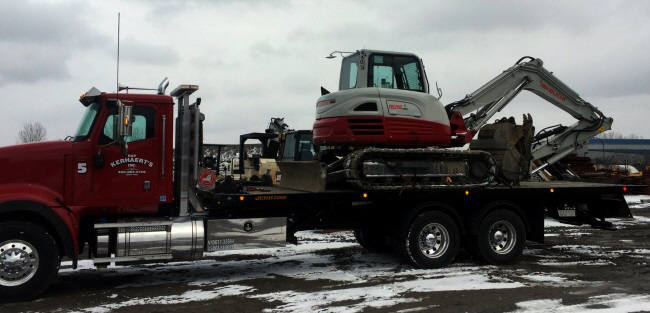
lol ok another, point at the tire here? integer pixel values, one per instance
(29, 260)
(501, 237)
(432, 240)
(371, 240)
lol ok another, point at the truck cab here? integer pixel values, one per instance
(129, 175)
(57, 189)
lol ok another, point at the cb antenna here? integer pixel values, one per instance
(117, 78)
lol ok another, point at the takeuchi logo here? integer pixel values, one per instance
(131, 159)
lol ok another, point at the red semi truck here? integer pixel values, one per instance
(124, 190)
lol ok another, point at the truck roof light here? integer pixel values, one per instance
(184, 90)
(89, 96)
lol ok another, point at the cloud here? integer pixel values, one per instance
(37, 39)
(140, 52)
(257, 59)
(29, 62)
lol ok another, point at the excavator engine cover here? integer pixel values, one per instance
(510, 145)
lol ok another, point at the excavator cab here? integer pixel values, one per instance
(383, 100)
(297, 146)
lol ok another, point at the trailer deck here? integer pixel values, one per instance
(276, 200)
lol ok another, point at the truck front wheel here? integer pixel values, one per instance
(29, 260)
(501, 237)
(432, 240)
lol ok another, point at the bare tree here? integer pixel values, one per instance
(32, 132)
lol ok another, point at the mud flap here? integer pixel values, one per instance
(303, 175)
(610, 205)
(595, 212)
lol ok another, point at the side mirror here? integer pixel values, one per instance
(123, 124)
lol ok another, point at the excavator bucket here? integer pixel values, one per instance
(303, 175)
(510, 145)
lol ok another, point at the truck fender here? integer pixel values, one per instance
(477, 216)
(431, 206)
(43, 215)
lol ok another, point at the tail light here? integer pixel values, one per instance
(325, 102)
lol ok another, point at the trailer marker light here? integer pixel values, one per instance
(241, 198)
(552, 190)
(467, 192)
(365, 195)
(624, 188)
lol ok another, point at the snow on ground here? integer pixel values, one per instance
(365, 280)
(188, 296)
(637, 199)
(600, 304)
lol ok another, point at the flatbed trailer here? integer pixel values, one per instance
(353, 208)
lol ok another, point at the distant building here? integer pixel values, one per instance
(618, 151)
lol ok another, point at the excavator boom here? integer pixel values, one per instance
(529, 74)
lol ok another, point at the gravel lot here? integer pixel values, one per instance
(578, 269)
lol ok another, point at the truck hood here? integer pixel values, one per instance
(36, 164)
(45, 149)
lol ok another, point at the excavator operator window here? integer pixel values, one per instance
(395, 71)
(349, 70)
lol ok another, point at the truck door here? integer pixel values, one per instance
(134, 177)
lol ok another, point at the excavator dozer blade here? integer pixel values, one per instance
(303, 175)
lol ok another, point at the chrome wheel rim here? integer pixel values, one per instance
(433, 240)
(502, 237)
(18, 262)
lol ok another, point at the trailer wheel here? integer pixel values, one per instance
(370, 239)
(432, 240)
(29, 260)
(501, 237)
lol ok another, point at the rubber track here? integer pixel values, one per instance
(354, 164)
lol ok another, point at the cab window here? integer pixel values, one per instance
(349, 69)
(143, 125)
(395, 71)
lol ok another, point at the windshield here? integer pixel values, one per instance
(87, 122)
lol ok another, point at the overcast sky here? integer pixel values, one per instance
(259, 59)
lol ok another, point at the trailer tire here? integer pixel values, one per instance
(371, 239)
(501, 237)
(29, 260)
(432, 240)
